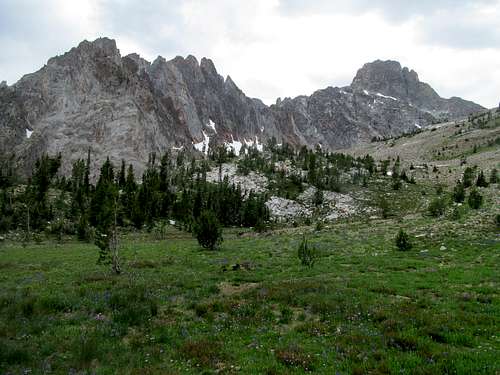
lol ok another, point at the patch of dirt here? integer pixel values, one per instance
(228, 289)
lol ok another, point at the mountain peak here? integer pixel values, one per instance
(103, 45)
(382, 76)
(126, 107)
(390, 78)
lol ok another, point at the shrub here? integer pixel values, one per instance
(132, 306)
(286, 315)
(13, 353)
(396, 185)
(437, 207)
(457, 213)
(160, 230)
(475, 199)
(208, 230)
(319, 226)
(205, 353)
(260, 226)
(306, 253)
(403, 241)
(497, 220)
(459, 192)
(84, 231)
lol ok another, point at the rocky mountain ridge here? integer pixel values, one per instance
(126, 107)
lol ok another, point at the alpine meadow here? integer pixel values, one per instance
(154, 219)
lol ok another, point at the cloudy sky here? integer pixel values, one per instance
(273, 48)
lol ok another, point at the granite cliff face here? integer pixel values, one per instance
(126, 107)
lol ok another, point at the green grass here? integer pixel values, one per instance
(251, 308)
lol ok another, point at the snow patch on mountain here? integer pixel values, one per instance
(211, 125)
(235, 146)
(385, 96)
(203, 145)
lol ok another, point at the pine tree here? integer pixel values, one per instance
(128, 197)
(86, 181)
(468, 177)
(103, 212)
(36, 193)
(121, 176)
(208, 230)
(475, 199)
(459, 192)
(481, 180)
(318, 197)
(403, 241)
(437, 207)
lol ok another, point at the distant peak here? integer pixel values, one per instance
(388, 78)
(380, 69)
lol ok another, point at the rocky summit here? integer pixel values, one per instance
(125, 107)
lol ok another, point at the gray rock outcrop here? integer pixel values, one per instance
(126, 108)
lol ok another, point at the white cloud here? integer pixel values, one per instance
(274, 48)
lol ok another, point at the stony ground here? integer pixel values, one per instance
(252, 182)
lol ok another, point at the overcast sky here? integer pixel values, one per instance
(273, 48)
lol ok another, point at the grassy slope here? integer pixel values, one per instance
(363, 308)
(443, 146)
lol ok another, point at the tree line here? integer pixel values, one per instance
(171, 188)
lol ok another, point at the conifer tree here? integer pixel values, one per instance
(122, 176)
(103, 212)
(208, 230)
(128, 197)
(481, 180)
(36, 193)
(459, 192)
(475, 199)
(468, 177)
